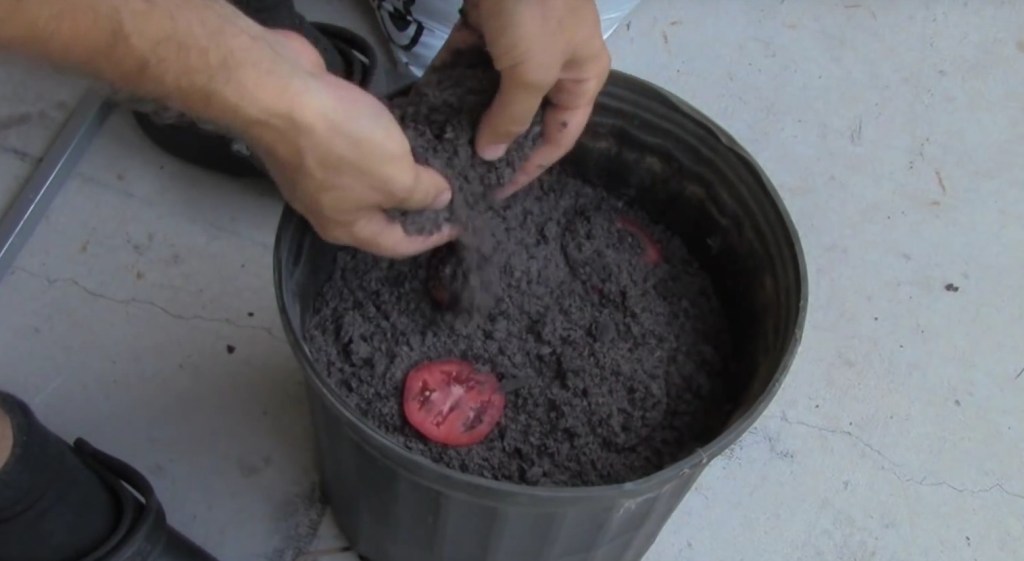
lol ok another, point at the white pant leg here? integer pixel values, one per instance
(418, 28)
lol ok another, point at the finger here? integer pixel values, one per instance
(562, 128)
(427, 190)
(375, 233)
(571, 102)
(462, 37)
(581, 82)
(519, 97)
(565, 118)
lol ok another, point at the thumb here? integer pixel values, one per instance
(429, 190)
(519, 98)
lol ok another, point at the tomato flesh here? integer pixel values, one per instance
(450, 402)
(652, 251)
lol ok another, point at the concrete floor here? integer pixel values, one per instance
(895, 133)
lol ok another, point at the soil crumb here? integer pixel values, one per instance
(440, 116)
(612, 362)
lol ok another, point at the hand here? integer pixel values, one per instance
(341, 160)
(544, 49)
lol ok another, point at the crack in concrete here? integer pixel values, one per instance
(997, 487)
(842, 432)
(15, 120)
(20, 154)
(145, 303)
(893, 467)
(117, 191)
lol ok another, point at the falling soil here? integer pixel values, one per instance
(608, 339)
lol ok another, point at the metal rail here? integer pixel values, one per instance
(42, 187)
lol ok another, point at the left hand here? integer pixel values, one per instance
(341, 160)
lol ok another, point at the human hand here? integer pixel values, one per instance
(341, 160)
(545, 50)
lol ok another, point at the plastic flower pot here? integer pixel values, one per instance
(644, 144)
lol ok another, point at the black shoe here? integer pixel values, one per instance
(142, 533)
(346, 54)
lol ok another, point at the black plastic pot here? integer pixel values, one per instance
(692, 177)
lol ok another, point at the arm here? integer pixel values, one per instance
(162, 50)
(336, 153)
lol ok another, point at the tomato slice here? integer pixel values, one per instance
(445, 277)
(450, 402)
(652, 251)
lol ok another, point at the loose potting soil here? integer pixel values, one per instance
(612, 362)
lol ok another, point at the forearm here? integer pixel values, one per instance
(202, 57)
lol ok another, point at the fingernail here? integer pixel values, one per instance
(491, 153)
(442, 200)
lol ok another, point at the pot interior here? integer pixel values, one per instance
(664, 157)
(652, 149)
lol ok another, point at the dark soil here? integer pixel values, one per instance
(612, 365)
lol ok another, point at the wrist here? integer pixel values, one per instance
(278, 95)
(256, 96)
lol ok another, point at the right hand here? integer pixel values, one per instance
(341, 160)
(545, 50)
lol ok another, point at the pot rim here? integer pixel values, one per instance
(419, 467)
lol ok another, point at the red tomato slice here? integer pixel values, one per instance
(445, 276)
(449, 402)
(652, 251)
